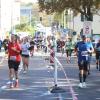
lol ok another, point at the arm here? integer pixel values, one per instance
(76, 49)
(17, 49)
(91, 49)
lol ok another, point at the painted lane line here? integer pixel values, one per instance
(71, 88)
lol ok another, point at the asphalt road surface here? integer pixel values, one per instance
(38, 82)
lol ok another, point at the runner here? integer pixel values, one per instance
(68, 49)
(25, 54)
(32, 47)
(14, 59)
(62, 46)
(97, 51)
(5, 44)
(82, 51)
(90, 46)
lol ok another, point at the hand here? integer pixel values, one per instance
(13, 48)
(89, 51)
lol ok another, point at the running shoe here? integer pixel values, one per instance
(84, 84)
(24, 72)
(80, 85)
(11, 85)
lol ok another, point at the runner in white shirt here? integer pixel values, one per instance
(25, 54)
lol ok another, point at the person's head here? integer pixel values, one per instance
(25, 40)
(88, 39)
(14, 38)
(84, 38)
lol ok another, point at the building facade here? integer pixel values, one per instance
(9, 16)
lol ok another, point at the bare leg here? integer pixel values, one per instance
(11, 76)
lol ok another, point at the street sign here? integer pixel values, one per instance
(87, 27)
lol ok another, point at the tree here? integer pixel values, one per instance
(85, 7)
(25, 28)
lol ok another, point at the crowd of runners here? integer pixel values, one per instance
(19, 50)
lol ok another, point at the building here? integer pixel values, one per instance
(9, 16)
(26, 14)
(78, 25)
(68, 21)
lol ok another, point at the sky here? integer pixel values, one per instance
(26, 1)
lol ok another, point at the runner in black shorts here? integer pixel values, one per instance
(83, 51)
(14, 59)
(13, 64)
(25, 54)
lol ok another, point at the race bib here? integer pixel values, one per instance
(84, 53)
(13, 58)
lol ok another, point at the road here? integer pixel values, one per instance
(37, 83)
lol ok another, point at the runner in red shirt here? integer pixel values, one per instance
(14, 59)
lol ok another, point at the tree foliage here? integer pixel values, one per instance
(85, 7)
(25, 28)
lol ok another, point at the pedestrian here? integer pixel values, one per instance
(25, 54)
(82, 51)
(14, 59)
(68, 49)
(97, 51)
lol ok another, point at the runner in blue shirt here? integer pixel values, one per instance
(82, 50)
